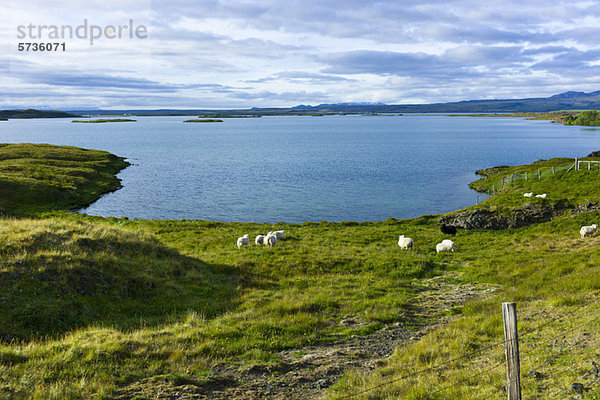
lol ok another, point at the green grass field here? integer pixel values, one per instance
(91, 305)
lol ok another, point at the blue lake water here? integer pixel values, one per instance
(296, 169)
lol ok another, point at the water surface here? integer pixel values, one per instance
(297, 169)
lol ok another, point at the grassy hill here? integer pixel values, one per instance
(38, 177)
(31, 113)
(101, 308)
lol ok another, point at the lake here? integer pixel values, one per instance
(296, 169)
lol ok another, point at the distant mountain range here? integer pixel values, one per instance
(564, 101)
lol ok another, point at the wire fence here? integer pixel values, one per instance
(529, 344)
(541, 173)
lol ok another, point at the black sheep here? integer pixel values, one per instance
(448, 229)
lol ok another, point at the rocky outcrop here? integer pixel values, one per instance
(583, 208)
(516, 218)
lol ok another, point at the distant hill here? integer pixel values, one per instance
(563, 101)
(571, 100)
(31, 113)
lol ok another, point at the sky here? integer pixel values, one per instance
(209, 54)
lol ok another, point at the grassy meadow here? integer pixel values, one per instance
(91, 305)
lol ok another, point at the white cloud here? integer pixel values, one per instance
(238, 53)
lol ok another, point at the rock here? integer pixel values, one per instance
(587, 207)
(322, 383)
(536, 374)
(577, 387)
(516, 218)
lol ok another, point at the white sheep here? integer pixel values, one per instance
(243, 241)
(541, 196)
(588, 230)
(270, 240)
(279, 235)
(259, 240)
(445, 245)
(405, 243)
(528, 194)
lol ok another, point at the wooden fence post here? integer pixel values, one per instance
(576, 164)
(553, 170)
(539, 174)
(511, 349)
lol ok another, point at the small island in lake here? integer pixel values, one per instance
(100, 121)
(203, 120)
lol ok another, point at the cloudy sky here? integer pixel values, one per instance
(260, 53)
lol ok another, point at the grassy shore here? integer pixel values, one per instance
(37, 177)
(93, 305)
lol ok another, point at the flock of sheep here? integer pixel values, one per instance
(405, 243)
(445, 245)
(270, 239)
(530, 194)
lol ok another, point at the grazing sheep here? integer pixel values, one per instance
(279, 235)
(259, 240)
(270, 240)
(541, 196)
(446, 245)
(448, 229)
(405, 243)
(528, 194)
(243, 241)
(588, 230)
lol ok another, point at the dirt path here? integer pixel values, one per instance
(306, 372)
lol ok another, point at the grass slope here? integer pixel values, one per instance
(39, 177)
(93, 304)
(568, 188)
(547, 269)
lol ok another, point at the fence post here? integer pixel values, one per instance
(525, 175)
(576, 164)
(589, 165)
(511, 349)
(539, 174)
(553, 170)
